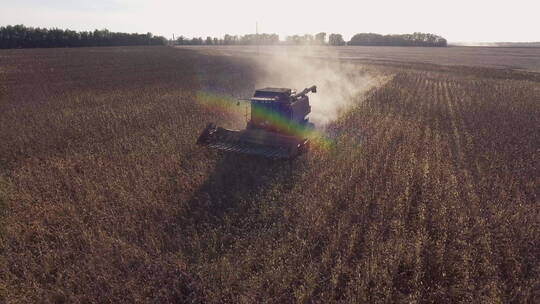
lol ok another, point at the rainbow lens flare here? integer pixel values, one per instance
(226, 104)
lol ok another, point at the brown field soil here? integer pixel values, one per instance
(429, 192)
(525, 58)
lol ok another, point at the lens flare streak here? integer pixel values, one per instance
(225, 104)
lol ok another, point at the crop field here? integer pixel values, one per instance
(425, 191)
(517, 58)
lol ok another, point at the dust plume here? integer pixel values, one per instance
(339, 84)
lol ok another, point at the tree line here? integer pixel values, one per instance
(415, 39)
(20, 36)
(263, 39)
(366, 39)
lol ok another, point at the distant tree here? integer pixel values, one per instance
(307, 39)
(228, 39)
(196, 41)
(415, 39)
(20, 36)
(209, 40)
(336, 39)
(268, 39)
(294, 39)
(320, 38)
(248, 39)
(181, 40)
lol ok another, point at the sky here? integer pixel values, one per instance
(457, 20)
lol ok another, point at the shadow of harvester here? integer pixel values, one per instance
(242, 197)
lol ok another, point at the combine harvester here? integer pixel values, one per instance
(278, 127)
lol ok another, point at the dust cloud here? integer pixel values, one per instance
(340, 84)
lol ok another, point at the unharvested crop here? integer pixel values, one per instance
(428, 192)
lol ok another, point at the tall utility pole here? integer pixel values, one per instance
(257, 36)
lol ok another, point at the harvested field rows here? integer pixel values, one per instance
(516, 58)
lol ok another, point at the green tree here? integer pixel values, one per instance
(336, 39)
(415, 39)
(20, 36)
(320, 38)
(181, 40)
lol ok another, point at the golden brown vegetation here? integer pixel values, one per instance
(430, 193)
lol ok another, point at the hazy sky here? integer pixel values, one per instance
(457, 20)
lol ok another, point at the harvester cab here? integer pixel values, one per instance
(278, 127)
